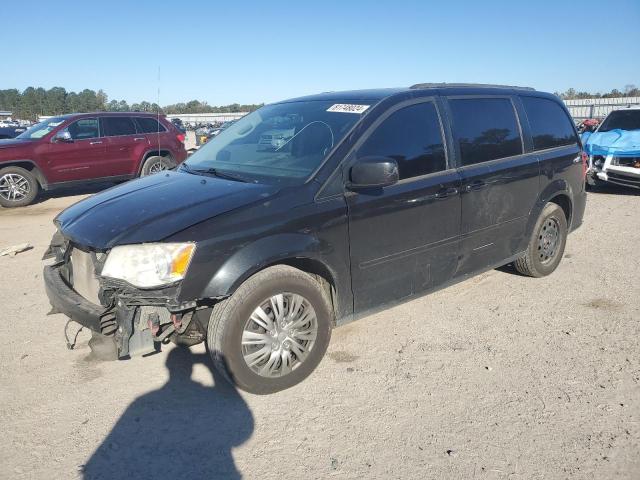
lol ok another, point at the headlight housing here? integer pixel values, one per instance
(149, 264)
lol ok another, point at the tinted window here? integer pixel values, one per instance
(550, 125)
(622, 119)
(149, 125)
(114, 126)
(84, 128)
(486, 129)
(413, 138)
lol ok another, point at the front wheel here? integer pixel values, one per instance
(546, 245)
(272, 332)
(18, 187)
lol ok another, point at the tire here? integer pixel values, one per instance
(156, 164)
(231, 321)
(547, 243)
(18, 183)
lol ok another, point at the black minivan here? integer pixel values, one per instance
(309, 213)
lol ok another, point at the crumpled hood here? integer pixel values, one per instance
(621, 143)
(152, 208)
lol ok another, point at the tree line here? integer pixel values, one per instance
(33, 102)
(628, 91)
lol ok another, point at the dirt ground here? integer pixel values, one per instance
(499, 377)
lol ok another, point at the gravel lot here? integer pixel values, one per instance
(499, 377)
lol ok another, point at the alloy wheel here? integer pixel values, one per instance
(156, 167)
(14, 187)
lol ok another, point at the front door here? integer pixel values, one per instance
(79, 158)
(404, 238)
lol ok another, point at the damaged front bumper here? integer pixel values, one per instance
(137, 320)
(623, 171)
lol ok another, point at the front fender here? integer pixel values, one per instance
(258, 255)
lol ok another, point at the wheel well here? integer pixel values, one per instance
(563, 202)
(159, 153)
(31, 167)
(319, 272)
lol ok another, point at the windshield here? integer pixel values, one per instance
(281, 143)
(621, 119)
(39, 130)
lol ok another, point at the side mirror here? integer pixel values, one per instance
(373, 172)
(63, 136)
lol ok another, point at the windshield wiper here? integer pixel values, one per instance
(217, 173)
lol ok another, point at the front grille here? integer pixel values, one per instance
(624, 180)
(82, 276)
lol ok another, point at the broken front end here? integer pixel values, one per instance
(614, 169)
(128, 293)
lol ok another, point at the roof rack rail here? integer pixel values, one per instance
(466, 85)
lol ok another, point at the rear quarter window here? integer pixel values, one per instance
(486, 129)
(149, 125)
(550, 124)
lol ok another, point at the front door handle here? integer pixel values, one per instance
(476, 185)
(99, 142)
(447, 192)
(138, 139)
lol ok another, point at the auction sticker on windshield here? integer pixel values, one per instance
(347, 108)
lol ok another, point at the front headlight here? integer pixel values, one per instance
(149, 265)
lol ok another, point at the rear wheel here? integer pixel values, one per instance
(156, 164)
(546, 245)
(18, 187)
(272, 332)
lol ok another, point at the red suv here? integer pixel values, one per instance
(81, 148)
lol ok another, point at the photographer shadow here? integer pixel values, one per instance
(182, 430)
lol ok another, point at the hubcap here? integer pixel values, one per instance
(548, 240)
(279, 335)
(14, 187)
(157, 167)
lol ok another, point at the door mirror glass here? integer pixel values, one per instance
(373, 172)
(63, 136)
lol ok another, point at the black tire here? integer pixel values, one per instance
(543, 256)
(224, 335)
(31, 182)
(155, 164)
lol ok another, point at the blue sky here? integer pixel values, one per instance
(251, 51)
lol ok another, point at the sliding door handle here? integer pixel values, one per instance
(447, 192)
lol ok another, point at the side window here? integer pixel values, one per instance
(84, 128)
(486, 129)
(115, 126)
(149, 125)
(411, 136)
(550, 125)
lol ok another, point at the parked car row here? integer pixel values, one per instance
(80, 148)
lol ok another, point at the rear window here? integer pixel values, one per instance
(149, 125)
(621, 119)
(550, 125)
(486, 129)
(115, 126)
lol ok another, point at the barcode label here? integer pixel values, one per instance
(347, 108)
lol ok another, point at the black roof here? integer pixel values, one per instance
(373, 96)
